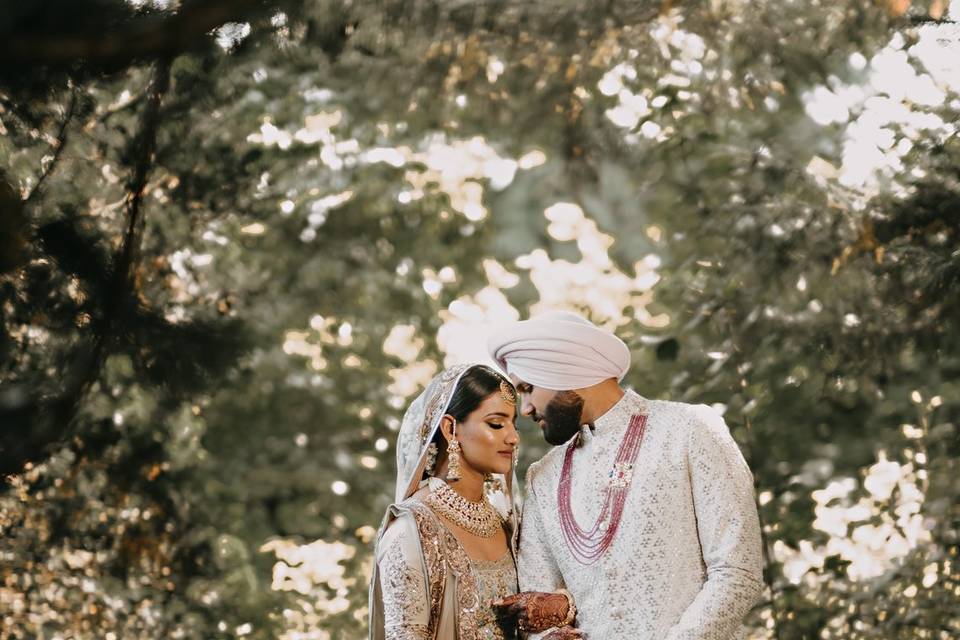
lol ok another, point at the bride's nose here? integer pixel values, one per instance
(512, 438)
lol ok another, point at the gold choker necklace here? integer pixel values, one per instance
(479, 518)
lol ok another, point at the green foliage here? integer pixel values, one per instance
(198, 408)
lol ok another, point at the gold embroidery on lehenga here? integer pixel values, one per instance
(447, 552)
(404, 585)
(403, 588)
(496, 579)
(408, 632)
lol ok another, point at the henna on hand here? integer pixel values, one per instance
(565, 633)
(534, 611)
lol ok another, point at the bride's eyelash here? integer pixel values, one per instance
(494, 425)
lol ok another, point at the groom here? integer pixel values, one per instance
(642, 518)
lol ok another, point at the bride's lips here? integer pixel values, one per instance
(505, 454)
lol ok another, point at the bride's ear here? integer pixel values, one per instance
(446, 427)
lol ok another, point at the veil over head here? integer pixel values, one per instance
(420, 423)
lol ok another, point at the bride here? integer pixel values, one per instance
(446, 548)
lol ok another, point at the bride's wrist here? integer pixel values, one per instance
(571, 608)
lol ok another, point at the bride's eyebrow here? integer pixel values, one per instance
(497, 414)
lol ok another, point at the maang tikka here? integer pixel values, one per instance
(453, 456)
(507, 393)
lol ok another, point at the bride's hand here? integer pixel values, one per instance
(565, 633)
(535, 611)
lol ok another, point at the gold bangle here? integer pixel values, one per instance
(571, 608)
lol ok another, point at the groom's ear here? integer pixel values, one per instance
(446, 427)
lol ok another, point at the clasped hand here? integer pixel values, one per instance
(536, 611)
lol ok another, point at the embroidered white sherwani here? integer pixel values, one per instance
(686, 561)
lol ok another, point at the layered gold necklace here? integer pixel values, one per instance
(479, 518)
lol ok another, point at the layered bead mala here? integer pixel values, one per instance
(588, 546)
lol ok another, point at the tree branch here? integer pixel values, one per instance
(59, 144)
(121, 294)
(146, 145)
(144, 37)
(927, 20)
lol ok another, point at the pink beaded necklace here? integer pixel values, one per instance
(588, 546)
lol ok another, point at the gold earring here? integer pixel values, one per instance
(453, 456)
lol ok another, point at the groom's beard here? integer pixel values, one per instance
(562, 417)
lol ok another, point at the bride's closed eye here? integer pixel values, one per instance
(494, 425)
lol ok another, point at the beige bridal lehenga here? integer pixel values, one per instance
(424, 585)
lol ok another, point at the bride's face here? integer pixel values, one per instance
(488, 435)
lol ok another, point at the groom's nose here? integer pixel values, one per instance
(526, 407)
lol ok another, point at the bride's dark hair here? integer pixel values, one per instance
(474, 387)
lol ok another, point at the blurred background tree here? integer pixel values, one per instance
(236, 238)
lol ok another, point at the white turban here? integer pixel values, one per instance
(559, 351)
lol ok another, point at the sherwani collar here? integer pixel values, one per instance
(618, 415)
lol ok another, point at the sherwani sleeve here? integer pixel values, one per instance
(729, 530)
(403, 582)
(536, 568)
